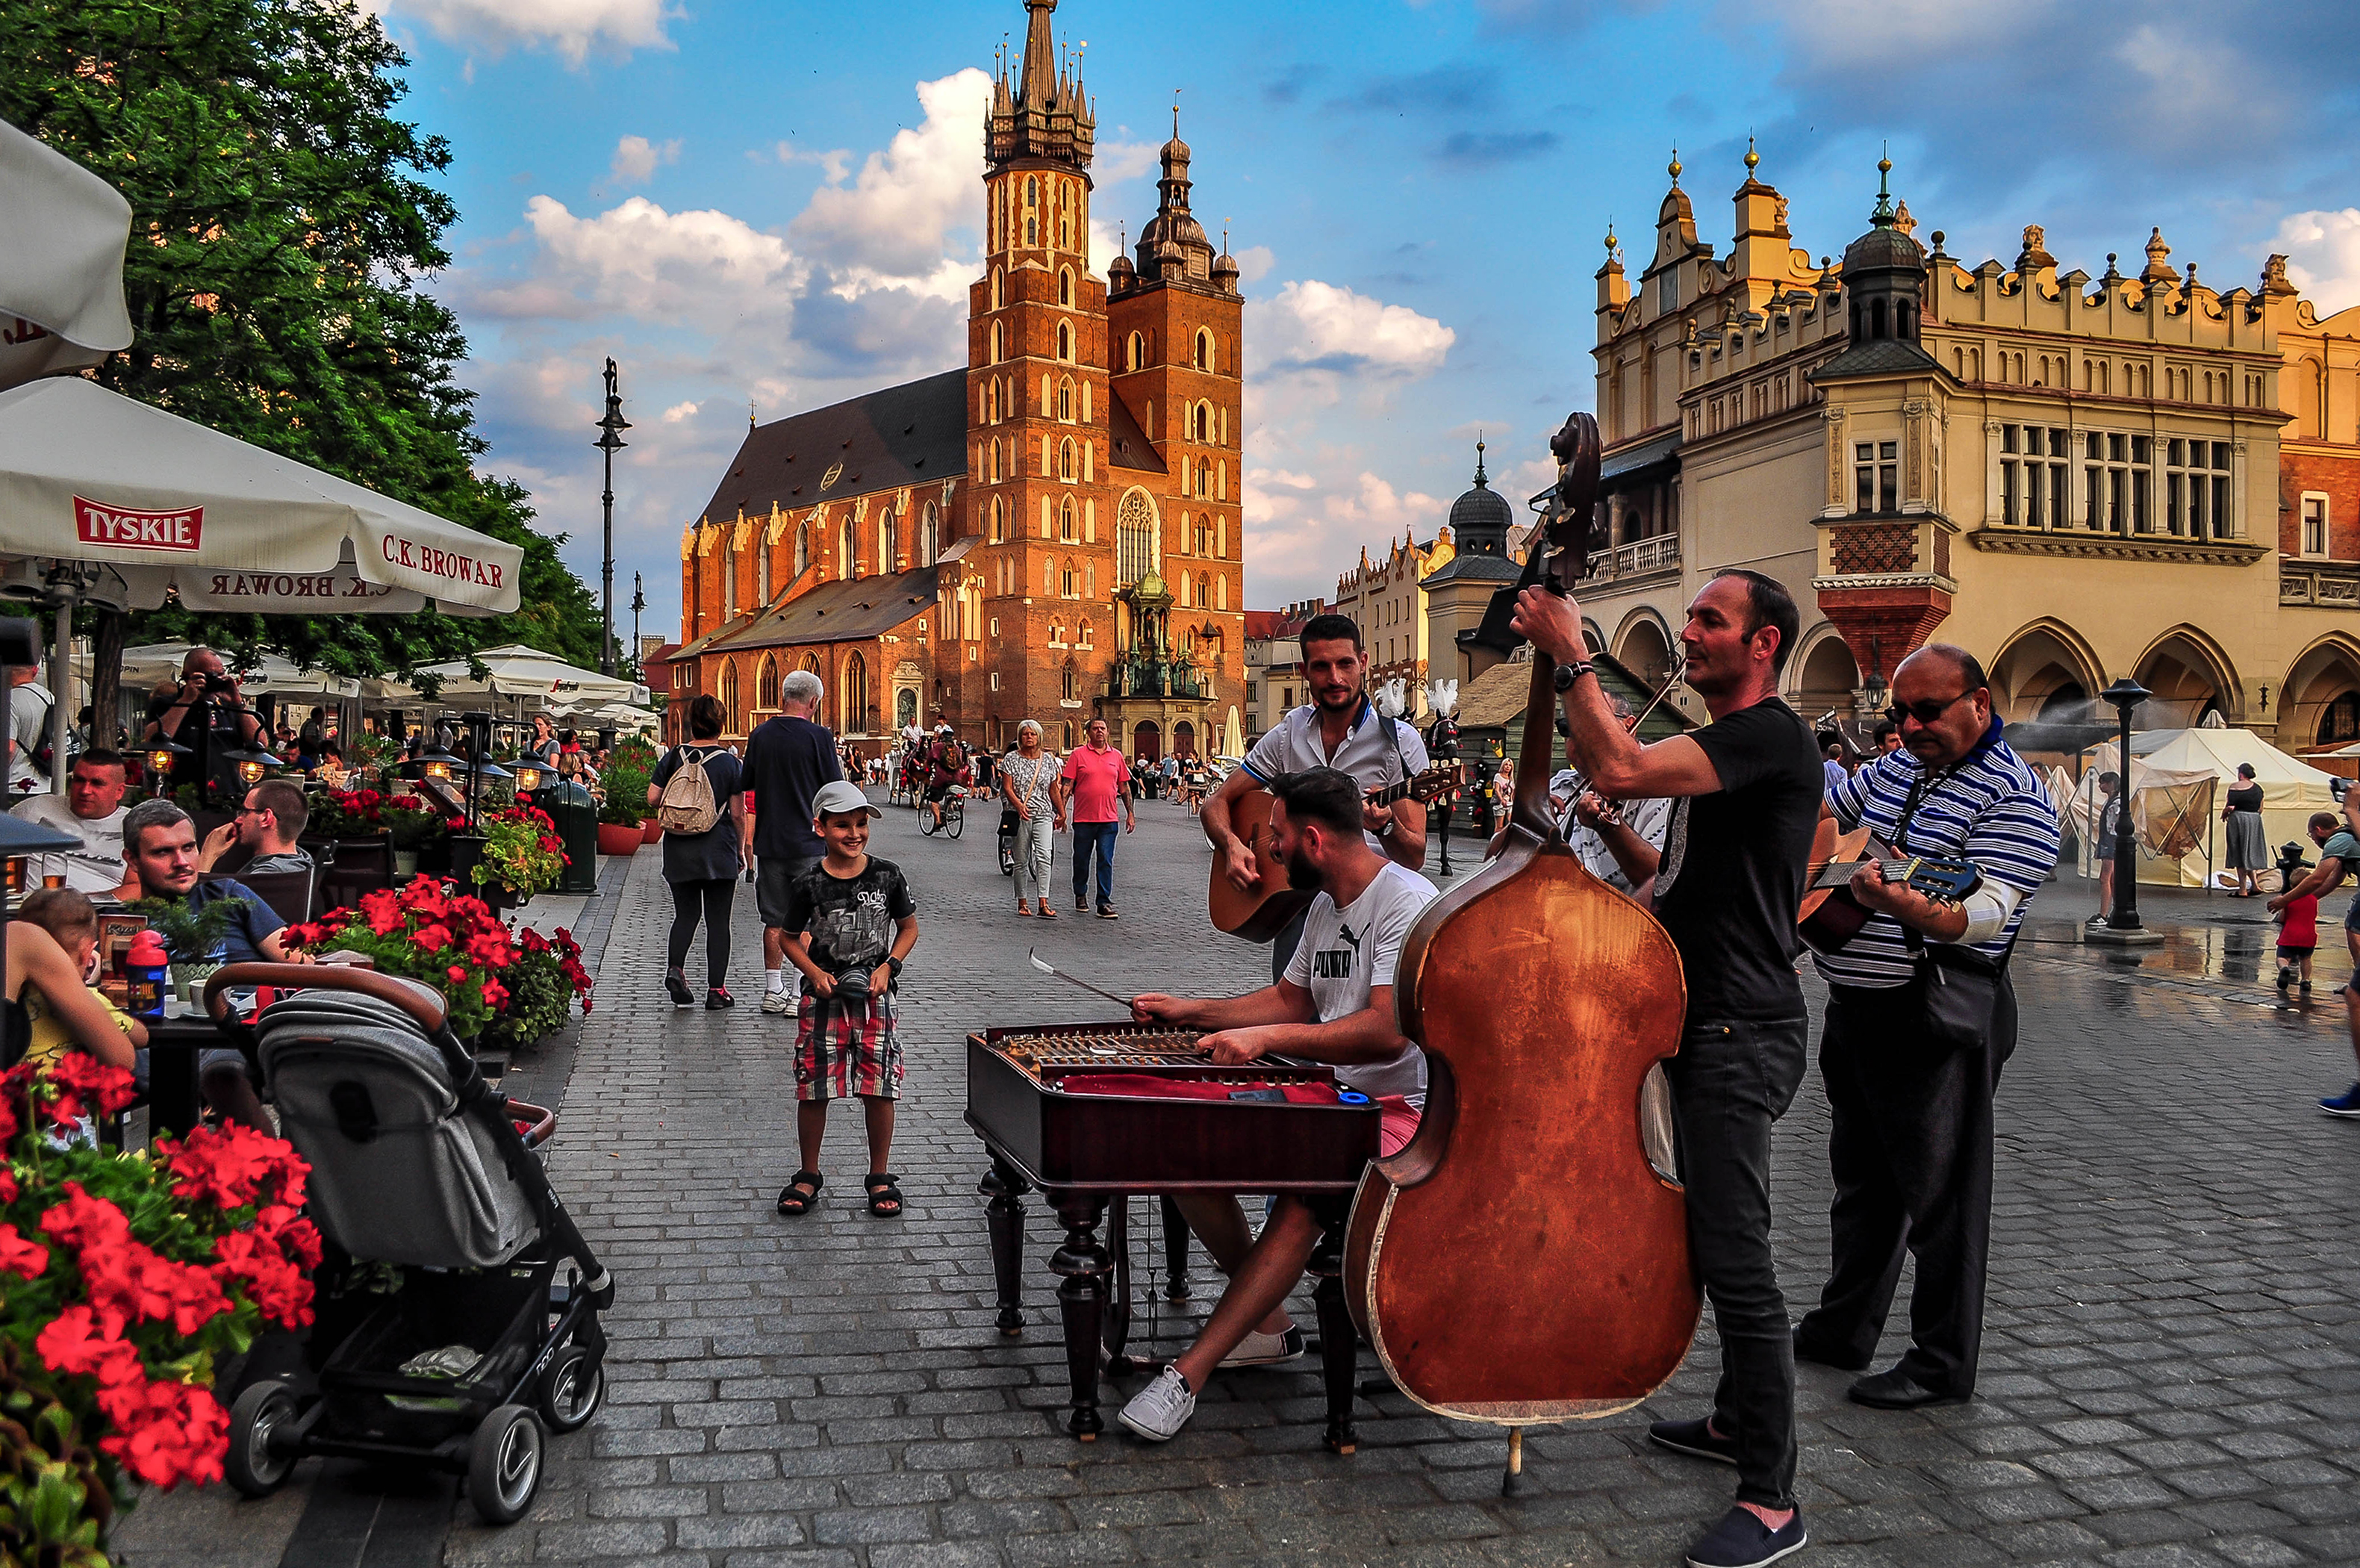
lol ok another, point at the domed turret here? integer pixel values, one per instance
(1480, 519)
(1225, 271)
(1884, 273)
(1173, 222)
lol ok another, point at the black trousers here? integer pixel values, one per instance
(708, 900)
(1910, 1145)
(1732, 1081)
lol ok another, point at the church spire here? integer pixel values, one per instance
(1044, 113)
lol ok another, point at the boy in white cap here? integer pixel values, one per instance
(850, 922)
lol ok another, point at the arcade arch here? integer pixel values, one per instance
(1645, 647)
(2189, 677)
(2044, 670)
(2319, 704)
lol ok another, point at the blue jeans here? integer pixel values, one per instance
(1731, 1079)
(1094, 838)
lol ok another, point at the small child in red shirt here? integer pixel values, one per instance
(2297, 923)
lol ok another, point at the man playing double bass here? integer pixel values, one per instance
(1746, 790)
(1910, 1141)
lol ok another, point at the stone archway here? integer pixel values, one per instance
(1645, 647)
(2320, 703)
(1147, 741)
(2045, 670)
(1826, 678)
(2189, 677)
(1183, 739)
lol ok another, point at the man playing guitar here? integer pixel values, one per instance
(1337, 729)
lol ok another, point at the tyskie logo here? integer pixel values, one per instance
(130, 529)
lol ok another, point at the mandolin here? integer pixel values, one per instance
(1831, 916)
(1261, 912)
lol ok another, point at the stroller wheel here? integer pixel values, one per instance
(573, 1388)
(264, 1409)
(503, 1465)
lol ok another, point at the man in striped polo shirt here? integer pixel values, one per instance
(1910, 1142)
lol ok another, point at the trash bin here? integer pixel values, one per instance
(576, 816)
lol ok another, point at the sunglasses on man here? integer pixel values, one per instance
(1926, 712)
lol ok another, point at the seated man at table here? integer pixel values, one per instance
(267, 822)
(92, 809)
(161, 844)
(1333, 1004)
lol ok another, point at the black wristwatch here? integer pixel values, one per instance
(1568, 674)
(894, 964)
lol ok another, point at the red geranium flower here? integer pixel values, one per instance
(20, 1257)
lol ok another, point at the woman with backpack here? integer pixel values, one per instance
(696, 791)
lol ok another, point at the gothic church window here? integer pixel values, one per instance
(1065, 286)
(1205, 422)
(1064, 341)
(889, 542)
(929, 539)
(763, 571)
(1134, 537)
(1065, 400)
(999, 289)
(767, 687)
(1065, 520)
(1066, 459)
(1136, 359)
(802, 548)
(846, 564)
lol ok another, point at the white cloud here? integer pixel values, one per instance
(1315, 326)
(894, 219)
(703, 267)
(678, 412)
(636, 159)
(571, 27)
(1254, 262)
(834, 162)
(2323, 252)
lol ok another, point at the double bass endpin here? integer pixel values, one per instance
(1508, 1482)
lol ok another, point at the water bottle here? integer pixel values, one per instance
(143, 971)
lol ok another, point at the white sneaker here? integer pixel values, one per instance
(1266, 1349)
(777, 1001)
(1158, 1411)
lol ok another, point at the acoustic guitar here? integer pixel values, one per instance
(1261, 912)
(1831, 916)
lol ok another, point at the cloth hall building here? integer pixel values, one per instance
(2075, 478)
(1052, 531)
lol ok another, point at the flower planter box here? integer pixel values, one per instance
(615, 839)
(651, 831)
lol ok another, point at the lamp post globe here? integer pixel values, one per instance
(2123, 920)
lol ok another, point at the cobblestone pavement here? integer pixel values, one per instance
(2168, 1376)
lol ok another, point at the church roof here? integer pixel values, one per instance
(850, 611)
(915, 433)
(1127, 444)
(1461, 567)
(1878, 356)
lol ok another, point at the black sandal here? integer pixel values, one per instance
(883, 1189)
(794, 1200)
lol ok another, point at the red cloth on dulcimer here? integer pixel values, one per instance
(1150, 1085)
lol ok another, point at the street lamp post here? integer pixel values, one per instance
(638, 603)
(610, 441)
(2122, 929)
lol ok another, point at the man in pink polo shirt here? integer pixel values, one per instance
(1097, 779)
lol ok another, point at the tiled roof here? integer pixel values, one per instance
(850, 611)
(1127, 444)
(911, 435)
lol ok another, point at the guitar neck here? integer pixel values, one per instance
(1841, 871)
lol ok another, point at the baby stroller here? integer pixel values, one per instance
(1007, 840)
(452, 1341)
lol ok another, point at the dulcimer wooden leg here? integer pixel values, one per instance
(1003, 1220)
(1083, 1267)
(1340, 1344)
(1175, 1252)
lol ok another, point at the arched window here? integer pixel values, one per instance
(930, 540)
(1065, 286)
(1065, 400)
(802, 547)
(1069, 582)
(1876, 318)
(995, 533)
(763, 571)
(1135, 355)
(991, 400)
(848, 565)
(1204, 478)
(1204, 360)
(1032, 217)
(1221, 591)
(1064, 341)
(728, 575)
(811, 662)
(889, 542)
(856, 696)
(1134, 537)
(998, 287)
(767, 687)
(1066, 681)
(1090, 637)
(995, 343)
(729, 696)
(1205, 422)
(1066, 459)
(1065, 520)
(1204, 590)
(1203, 541)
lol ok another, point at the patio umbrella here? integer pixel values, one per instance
(515, 670)
(62, 230)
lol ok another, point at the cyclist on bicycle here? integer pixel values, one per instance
(946, 768)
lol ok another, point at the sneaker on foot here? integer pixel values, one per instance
(1741, 1541)
(1266, 1349)
(676, 984)
(2345, 1104)
(777, 1002)
(1696, 1438)
(717, 998)
(1158, 1411)
(2097, 922)
(2286, 976)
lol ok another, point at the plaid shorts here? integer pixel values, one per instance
(843, 1049)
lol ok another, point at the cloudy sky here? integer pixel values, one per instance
(776, 202)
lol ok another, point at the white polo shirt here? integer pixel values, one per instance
(1372, 760)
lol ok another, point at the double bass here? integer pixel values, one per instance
(1523, 1259)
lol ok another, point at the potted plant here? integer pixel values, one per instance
(124, 1280)
(520, 855)
(198, 936)
(625, 808)
(504, 990)
(416, 828)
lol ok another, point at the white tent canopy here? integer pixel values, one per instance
(62, 231)
(152, 502)
(2171, 758)
(521, 671)
(157, 662)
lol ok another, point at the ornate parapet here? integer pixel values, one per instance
(2326, 585)
(2083, 545)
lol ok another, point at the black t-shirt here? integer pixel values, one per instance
(1733, 874)
(851, 919)
(2247, 798)
(787, 759)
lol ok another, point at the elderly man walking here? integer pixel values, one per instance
(787, 760)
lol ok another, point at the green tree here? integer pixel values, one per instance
(280, 227)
